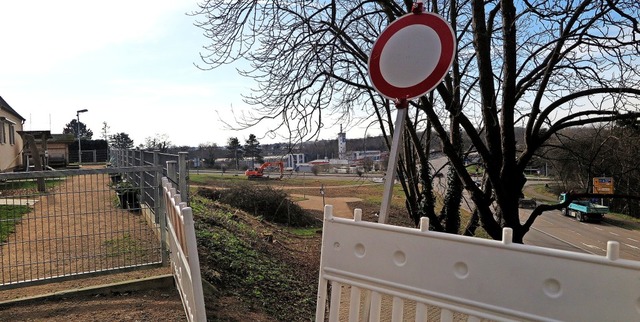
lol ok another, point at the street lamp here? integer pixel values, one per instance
(364, 143)
(79, 139)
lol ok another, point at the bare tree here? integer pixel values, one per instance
(605, 150)
(158, 142)
(105, 131)
(544, 65)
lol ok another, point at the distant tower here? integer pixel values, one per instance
(342, 145)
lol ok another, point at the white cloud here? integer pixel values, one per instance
(36, 35)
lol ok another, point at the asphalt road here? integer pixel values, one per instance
(553, 230)
(587, 237)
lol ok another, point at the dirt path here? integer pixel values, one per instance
(76, 227)
(340, 204)
(73, 228)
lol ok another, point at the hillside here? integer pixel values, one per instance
(257, 271)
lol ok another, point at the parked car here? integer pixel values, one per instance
(527, 203)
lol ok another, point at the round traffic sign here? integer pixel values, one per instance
(411, 56)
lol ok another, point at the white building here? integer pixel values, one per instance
(342, 145)
(293, 159)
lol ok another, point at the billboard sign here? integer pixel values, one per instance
(603, 185)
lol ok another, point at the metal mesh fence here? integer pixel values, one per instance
(174, 166)
(58, 224)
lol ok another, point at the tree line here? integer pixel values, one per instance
(603, 150)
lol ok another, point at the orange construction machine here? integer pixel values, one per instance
(258, 173)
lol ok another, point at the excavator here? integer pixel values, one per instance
(258, 173)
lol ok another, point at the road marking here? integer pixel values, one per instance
(592, 246)
(598, 228)
(634, 247)
(563, 241)
(612, 233)
(631, 239)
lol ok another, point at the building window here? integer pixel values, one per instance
(3, 135)
(12, 134)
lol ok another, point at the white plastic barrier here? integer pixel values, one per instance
(184, 253)
(372, 272)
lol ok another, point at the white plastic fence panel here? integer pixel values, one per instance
(482, 279)
(184, 254)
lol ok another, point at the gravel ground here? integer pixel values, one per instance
(70, 210)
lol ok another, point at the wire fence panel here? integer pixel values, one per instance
(174, 166)
(89, 156)
(59, 224)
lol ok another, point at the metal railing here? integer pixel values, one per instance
(174, 166)
(61, 224)
(89, 156)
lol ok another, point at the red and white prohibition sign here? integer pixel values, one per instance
(409, 59)
(412, 56)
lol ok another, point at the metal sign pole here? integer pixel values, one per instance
(400, 48)
(391, 166)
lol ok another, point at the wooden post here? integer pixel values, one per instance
(35, 154)
(171, 171)
(182, 179)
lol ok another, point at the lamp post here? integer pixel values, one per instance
(364, 143)
(79, 138)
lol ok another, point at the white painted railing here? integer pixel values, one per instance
(376, 272)
(184, 253)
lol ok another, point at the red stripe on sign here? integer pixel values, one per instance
(447, 42)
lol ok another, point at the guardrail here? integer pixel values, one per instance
(372, 272)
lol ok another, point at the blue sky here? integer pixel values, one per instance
(130, 63)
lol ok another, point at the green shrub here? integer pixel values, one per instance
(261, 201)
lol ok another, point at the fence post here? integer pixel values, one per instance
(95, 159)
(159, 191)
(127, 155)
(161, 211)
(171, 171)
(141, 179)
(182, 183)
